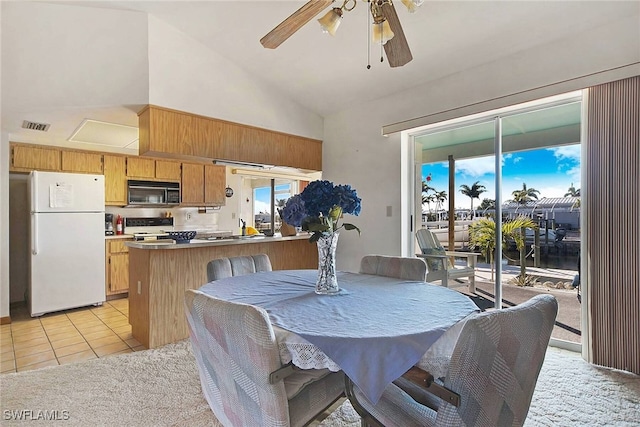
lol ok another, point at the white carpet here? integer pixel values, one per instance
(161, 388)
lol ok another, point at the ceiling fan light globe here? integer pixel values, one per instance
(411, 5)
(331, 21)
(382, 32)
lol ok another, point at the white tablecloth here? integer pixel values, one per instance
(375, 329)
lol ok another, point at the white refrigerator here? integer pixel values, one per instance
(66, 241)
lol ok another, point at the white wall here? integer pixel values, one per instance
(186, 76)
(355, 153)
(68, 61)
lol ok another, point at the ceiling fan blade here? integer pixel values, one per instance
(293, 23)
(397, 49)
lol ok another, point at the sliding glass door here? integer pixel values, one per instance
(506, 184)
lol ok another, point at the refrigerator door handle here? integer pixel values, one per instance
(34, 234)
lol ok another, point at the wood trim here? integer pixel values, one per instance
(5, 320)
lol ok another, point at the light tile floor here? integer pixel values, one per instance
(66, 336)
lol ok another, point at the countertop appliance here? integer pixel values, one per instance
(108, 225)
(152, 193)
(66, 241)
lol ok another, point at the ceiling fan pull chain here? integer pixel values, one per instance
(368, 38)
(381, 54)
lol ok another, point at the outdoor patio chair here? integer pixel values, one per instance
(221, 268)
(439, 264)
(241, 374)
(392, 266)
(491, 377)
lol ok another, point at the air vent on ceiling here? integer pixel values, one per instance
(43, 127)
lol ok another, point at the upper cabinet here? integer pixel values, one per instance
(166, 132)
(115, 180)
(81, 162)
(203, 184)
(25, 158)
(141, 167)
(168, 170)
(215, 183)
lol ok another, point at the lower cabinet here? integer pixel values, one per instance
(117, 266)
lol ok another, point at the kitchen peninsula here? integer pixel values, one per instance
(161, 271)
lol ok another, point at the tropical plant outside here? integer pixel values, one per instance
(473, 192)
(522, 197)
(572, 192)
(482, 235)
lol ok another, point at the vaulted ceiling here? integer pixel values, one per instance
(323, 74)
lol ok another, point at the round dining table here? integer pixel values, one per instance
(374, 329)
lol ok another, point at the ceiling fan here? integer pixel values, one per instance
(387, 29)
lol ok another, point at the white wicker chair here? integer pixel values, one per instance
(240, 371)
(492, 374)
(221, 268)
(392, 266)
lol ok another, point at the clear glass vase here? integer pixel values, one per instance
(327, 283)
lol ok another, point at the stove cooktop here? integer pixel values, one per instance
(149, 228)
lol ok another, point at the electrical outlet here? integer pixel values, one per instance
(188, 216)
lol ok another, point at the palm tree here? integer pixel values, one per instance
(522, 197)
(473, 192)
(487, 204)
(441, 197)
(572, 192)
(482, 235)
(426, 197)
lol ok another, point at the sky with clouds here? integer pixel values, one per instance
(549, 170)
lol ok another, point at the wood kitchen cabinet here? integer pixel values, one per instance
(26, 158)
(117, 266)
(215, 183)
(169, 132)
(115, 180)
(203, 184)
(140, 167)
(168, 170)
(147, 168)
(81, 162)
(192, 186)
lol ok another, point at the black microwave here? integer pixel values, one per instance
(152, 193)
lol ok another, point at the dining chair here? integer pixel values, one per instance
(221, 268)
(491, 377)
(240, 371)
(439, 263)
(393, 266)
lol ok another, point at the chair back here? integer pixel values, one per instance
(241, 374)
(428, 240)
(398, 267)
(237, 266)
(495, 364)
(236, 350)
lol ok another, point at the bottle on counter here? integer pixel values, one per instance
(119, 225)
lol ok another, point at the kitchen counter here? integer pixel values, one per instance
(200, 243)
(160, 273)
